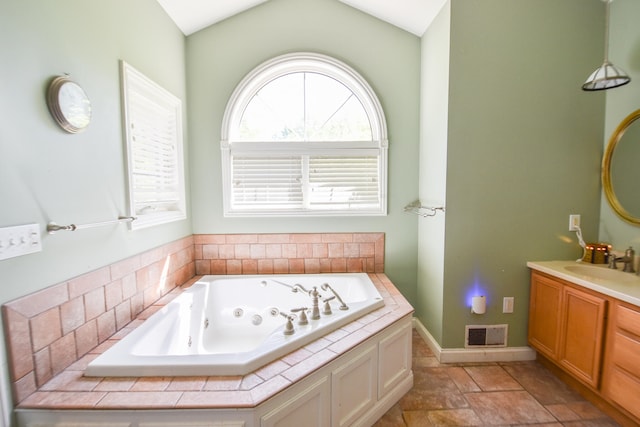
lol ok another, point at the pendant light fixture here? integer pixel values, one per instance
(607, 76)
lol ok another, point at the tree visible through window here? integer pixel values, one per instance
(304, 134)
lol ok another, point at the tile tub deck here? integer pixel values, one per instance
(71, 390)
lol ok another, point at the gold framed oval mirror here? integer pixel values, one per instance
(621, 169)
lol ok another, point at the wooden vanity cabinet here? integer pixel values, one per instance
(592, 340)
(567, 325)
(582, 338)
(621, 383)
(545, 304)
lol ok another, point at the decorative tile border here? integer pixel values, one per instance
(289, 253)
(51, 329)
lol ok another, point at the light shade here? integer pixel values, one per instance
(606, 76)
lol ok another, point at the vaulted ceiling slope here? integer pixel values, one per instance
(413, 16)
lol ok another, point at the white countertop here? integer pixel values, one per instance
(597, 277)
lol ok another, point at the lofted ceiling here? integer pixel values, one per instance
(413, 16)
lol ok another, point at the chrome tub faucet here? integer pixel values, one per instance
(343, 306)
(314, 294)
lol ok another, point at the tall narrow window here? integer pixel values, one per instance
(304, 135)
(153, 132)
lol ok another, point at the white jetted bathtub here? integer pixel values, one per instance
(232, 325)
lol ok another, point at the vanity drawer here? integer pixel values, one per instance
(624, 390)
(628, 320)
(621, 382)
(624, 353)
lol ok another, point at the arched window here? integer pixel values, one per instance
(304, 134)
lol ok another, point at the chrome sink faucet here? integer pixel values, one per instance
(628, 260)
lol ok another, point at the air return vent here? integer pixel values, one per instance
(486, 335)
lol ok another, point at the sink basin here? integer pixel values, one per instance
(603, 273)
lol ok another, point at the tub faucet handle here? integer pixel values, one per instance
(288, 327)
(327, 307)
(302, 320)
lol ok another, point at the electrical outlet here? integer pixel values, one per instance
(19, 240)
(507, 304)
(574, 222)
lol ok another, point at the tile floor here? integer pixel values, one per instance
(488, 394)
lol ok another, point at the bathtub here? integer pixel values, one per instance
(232, 325)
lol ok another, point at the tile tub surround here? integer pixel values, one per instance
(70, 390)
(51, 329)
(289, 253)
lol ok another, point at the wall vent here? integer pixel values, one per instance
(486, 335)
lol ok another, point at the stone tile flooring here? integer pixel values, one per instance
(488, 394)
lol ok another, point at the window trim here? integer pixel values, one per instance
(304, 62)
(134, 80)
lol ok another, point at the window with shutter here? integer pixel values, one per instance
(304, 135)
(153, 133)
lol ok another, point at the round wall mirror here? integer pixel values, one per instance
(621, 169)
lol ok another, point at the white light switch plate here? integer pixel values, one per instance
(507, 304)
(19, 240)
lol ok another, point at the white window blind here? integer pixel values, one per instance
(261, 183)
(344, 182)
(153, 123)
(304, 134)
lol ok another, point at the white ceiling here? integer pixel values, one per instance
(411, 15)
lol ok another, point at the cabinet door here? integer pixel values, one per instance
(310, 408)
(582, 337)
(353, 388)
(394, 359)
(545, 314)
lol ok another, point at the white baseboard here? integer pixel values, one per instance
(461, 355)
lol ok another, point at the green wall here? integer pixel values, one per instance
(218, 57)
(523, 152)
(47, 174)
(623, 52)
(434, 119)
